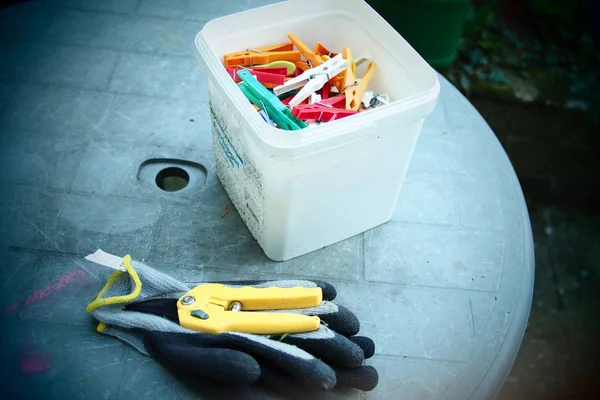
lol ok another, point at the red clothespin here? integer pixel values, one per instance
(324, 110)
(266, 78)
(270, 70)
(325, 91)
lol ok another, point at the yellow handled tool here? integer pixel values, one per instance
(217, 308)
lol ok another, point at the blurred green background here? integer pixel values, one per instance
(532, 68)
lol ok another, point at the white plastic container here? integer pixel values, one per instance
(298, 191)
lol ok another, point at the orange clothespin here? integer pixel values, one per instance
(262, 55)
(324, 51)
(353, 88)
(313, 59)
(301, 66)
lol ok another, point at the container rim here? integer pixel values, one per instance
(271, 137)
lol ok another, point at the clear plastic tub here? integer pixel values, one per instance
(298, 191)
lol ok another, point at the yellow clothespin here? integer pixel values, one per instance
(353, 88)
(349, 78)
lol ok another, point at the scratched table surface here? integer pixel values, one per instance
(91, 89)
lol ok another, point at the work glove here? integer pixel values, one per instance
(299, 365)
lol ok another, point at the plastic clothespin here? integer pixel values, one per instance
(287, 100)
(321, 50)
(326, 55)
(357, 62)
(290, 66)
(275, 109)
(324, 110)
(287, 95)
(361, 60)
(313, 59)
(326, 91)
(262, 55)
(338, 80)
(268, 70)
(353, 88)
(372, 99)
(312, 79)
(349, 77)
(314, 98)
(263, 113)
(262, 77)
(301, 66)
(265, 116)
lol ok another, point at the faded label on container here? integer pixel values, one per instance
(238, 172)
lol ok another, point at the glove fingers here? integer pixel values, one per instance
(329, 346)
(209, 388)
(302, 366)
(298, 363)
(282, 384)
(343, 321)
(366, 344)
(329, 292)
(364, 378)
(221, 364)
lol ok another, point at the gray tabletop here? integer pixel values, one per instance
(90, 90)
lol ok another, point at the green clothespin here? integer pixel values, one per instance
(263, 99)
(288, 94)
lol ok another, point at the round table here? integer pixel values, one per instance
(454, 269)
(444, 288)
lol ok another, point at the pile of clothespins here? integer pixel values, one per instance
(291, 85)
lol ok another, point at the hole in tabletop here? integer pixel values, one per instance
(172, 179)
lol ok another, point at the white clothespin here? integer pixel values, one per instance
(314, 98)
(372, 99)
(312, 79)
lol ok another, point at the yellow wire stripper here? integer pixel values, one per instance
(217, 308)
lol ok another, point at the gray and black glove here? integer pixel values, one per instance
(295, 365)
